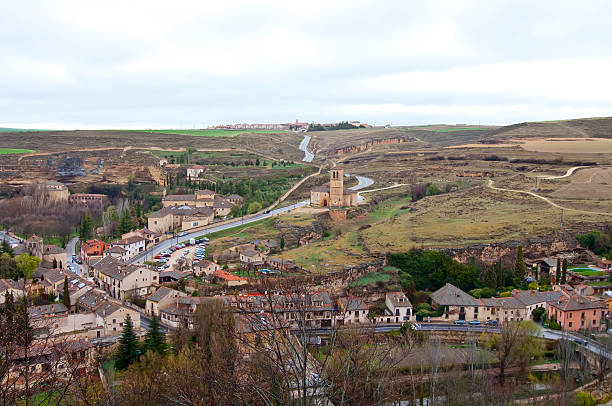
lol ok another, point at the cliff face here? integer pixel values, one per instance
(350, 149)
(299, 235)
(550, 245)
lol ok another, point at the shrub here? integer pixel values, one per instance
(505, 294)
(538, 313)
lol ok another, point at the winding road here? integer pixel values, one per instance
(308, 156)
(363, 182)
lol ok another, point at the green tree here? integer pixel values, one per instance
(519, 268)
(558, 273)
(8, 267)
(6, 248)
(86, 227)
(27, 264)
(155, 339)
(282, 243)
(564, 272)
(254, 207)
(490, 278)
(128, 346)
(125, 223)
(432, 190)
(66, 294)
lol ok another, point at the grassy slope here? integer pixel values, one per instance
(4, 151)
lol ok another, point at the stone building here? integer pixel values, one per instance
(56, 191)
(333, 194)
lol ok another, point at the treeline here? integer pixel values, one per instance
(497, 158)
(343, 125)
(424, 271)
(598, 242)
(33, 212)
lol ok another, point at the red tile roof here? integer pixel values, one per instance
(228, 276)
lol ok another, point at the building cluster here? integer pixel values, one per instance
(127, 247)
(58, 192)
(316, 310)
(278, 127)
(190, 211)
(570, 309)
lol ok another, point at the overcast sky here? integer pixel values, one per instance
(184, 64)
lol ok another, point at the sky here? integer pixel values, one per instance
(193, 64)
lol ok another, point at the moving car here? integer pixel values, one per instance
(184, 233)
(459, 322)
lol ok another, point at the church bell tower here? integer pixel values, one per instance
(336, 187)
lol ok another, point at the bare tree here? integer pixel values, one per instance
(515, 343)
(566, 352)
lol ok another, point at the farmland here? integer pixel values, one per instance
(569, 145)
(5, 151)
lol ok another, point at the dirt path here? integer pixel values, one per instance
(376, 190)
(547, 200)
(569, 172)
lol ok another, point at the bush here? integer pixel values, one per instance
(505, 294)
(538, 313)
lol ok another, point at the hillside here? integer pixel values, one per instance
(579, 128)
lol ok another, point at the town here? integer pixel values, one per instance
(305, 204)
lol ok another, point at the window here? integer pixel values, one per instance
(114, 321)
(570, 324)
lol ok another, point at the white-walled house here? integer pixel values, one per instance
(132, 245)
(399, 306)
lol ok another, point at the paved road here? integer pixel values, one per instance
(150, 253)
(308, 156)
(363, 182)
(70, 251)
(591, 345)
(11, 240)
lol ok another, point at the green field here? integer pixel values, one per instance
(586, 271)
(371, 279)
(4, 151)
(213, 132)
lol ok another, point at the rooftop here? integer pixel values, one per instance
(450, 295)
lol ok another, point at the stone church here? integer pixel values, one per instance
(333, 194)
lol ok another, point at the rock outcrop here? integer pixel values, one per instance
(351, 149)
(553, 244)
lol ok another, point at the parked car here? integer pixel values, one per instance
(491, 323)
(474, 322)
(157, 257)
(459, 322)
(78, 261)
(206, 239)
(184, 233)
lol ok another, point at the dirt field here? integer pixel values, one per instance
(569, 145)
(587, 183)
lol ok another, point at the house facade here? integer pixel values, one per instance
(575, 313)
(132, 245)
